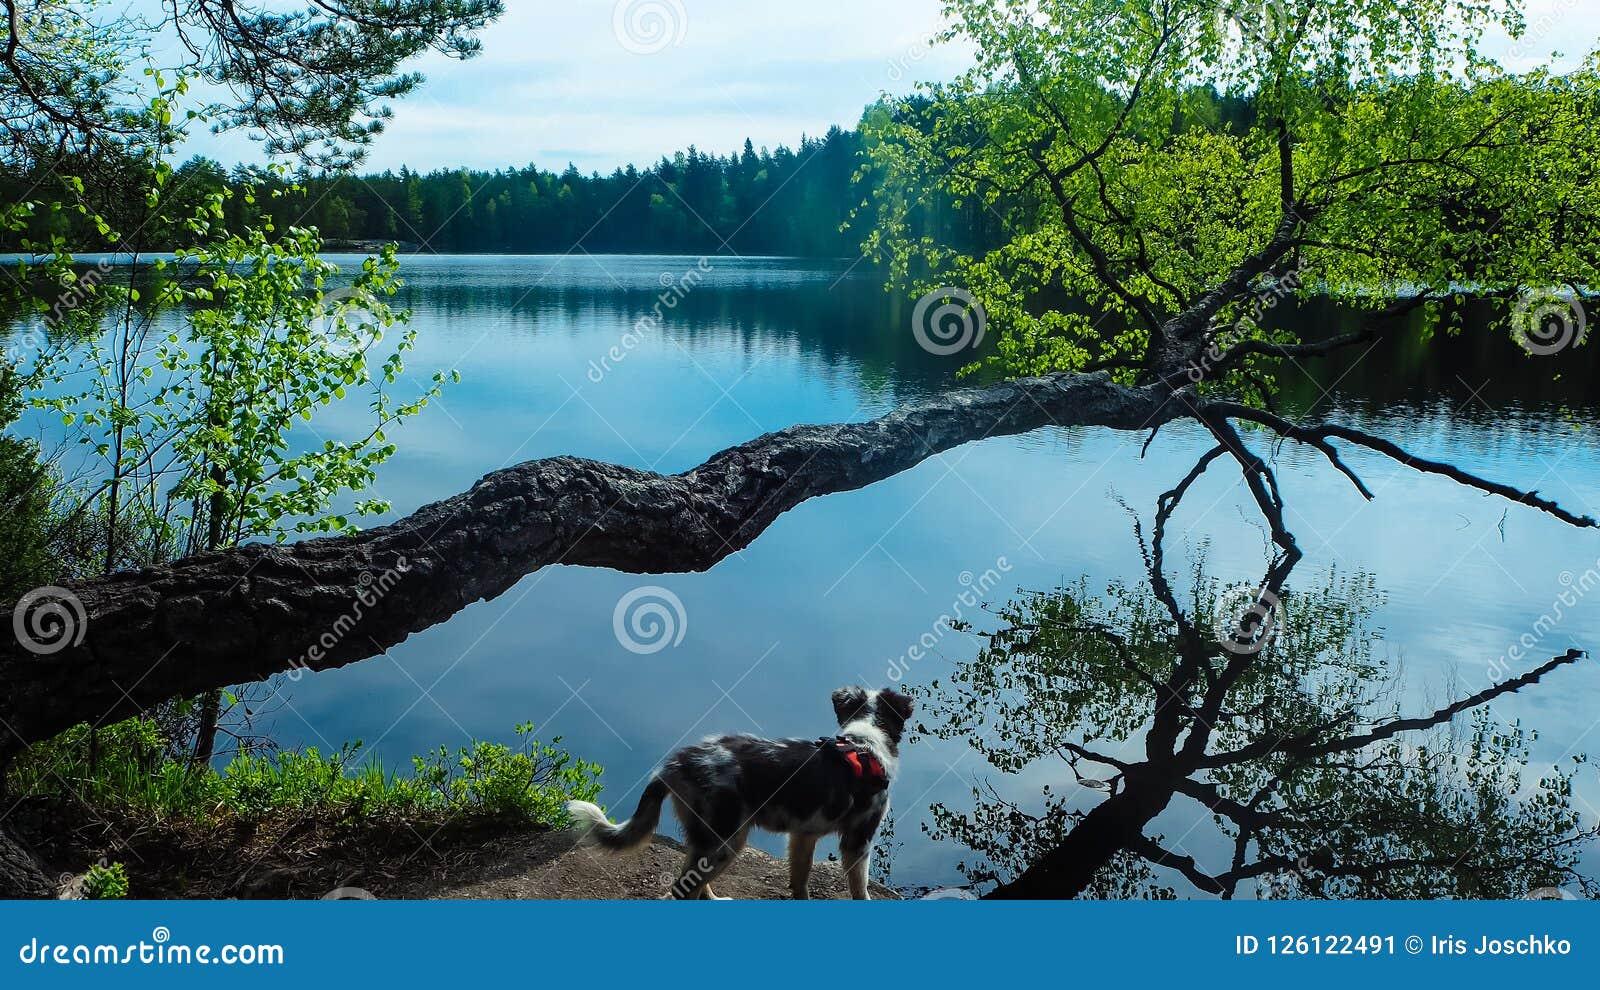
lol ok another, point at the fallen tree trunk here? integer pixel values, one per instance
(245, 614)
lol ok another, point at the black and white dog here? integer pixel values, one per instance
(723, 786)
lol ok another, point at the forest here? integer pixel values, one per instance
(816, 200)
(781, 202)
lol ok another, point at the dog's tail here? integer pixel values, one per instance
(596, 829)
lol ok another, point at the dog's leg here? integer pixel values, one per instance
(703, 865)
(694, 878)
(855, 849)
(802, 850)
(855, 869)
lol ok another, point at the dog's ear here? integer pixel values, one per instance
(848, 702)
(897, 705)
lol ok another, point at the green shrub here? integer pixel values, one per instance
(135, 774)
(26, 514)
(532, 783)
(105, 883)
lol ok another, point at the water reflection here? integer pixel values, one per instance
(839, 588)
(1272, 720)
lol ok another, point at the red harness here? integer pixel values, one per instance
(866, 768)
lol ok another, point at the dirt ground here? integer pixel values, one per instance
(547, 866)
(310, 860)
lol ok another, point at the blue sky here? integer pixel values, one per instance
(559, 82)
(604, 82)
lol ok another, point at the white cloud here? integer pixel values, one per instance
(556, 83)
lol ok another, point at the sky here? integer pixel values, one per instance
(601, 83)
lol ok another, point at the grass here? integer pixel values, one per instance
(134, 776)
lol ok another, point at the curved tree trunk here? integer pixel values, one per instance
(244, 614)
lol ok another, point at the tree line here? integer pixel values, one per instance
(786, 201)
(819, 199)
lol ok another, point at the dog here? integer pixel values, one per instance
(723, 786)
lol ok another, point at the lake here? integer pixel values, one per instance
(838, 590)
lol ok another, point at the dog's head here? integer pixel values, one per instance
(886, 710)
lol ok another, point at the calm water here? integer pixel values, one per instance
(838, 589)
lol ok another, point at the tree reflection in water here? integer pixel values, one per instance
(1279, 722)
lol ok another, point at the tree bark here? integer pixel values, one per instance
(205, 736)
(247, 613)
(21, 876)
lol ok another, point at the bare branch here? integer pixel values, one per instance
(1317, 435)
